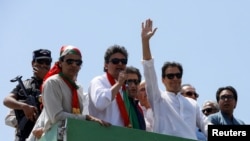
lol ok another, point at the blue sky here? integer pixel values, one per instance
(210, 38)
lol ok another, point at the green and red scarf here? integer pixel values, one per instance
(120, 103)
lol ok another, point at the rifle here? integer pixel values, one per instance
(21, 118)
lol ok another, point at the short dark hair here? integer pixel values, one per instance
(112, 50)
(170, 64)
(134, 70)
(230, 88)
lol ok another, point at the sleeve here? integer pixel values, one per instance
(10, 119)
(100, 93)
(85, 104)
(202, 121)
(40, 123)
(150, 116)
(152, 88)
(213, 119)
(16, 90)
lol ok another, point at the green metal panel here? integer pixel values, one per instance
(78, 130)
(51, 135)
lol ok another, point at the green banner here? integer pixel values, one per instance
(78, 130)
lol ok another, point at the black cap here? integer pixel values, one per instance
(42, 54)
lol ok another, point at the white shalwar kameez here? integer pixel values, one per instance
(173, 113)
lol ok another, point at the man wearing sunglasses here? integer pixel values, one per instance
(62, 94)
(210, 107)
(227, 99)
(173, 113)
(107, 91)
(135, 112)
(145, 106)
(41, 63)
(189, 91)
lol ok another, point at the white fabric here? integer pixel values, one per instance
(57, 98)
(149, 118)
(10, 119)
(85, 104)
(39, 123)
(173, 114)
(100, 103)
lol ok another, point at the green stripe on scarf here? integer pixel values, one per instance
(73, 87)
(131, 111)
(69, 80)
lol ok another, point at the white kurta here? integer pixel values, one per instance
(149, 118)
(57, 102)
(101, 104)
(57, 98)
(173, 114)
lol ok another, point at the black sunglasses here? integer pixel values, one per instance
(208, 110)
(171, 75)
(117, 61)
(130, 81)
(43, 61)
(71, 61)
(192, 93)
(228, 97)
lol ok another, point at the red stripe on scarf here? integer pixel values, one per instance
(120, 102)
(73, 87)
(75, 102)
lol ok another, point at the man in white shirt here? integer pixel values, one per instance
(173, 113)
(145, 106)
(107, 91)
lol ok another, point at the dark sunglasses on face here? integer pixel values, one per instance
(117, 61)
(207, 110)
(228, 97)
(43, 61)
(171, 75)
(130, 81)
(71, 61)
(192, 93)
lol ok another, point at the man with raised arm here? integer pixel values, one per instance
(173, 113)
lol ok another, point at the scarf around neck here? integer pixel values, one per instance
(73, 87)
(71, 84)
(120, 102)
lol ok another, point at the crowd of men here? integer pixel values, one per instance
(117, 97)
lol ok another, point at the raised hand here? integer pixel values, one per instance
(146, 33)
(147, 29)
